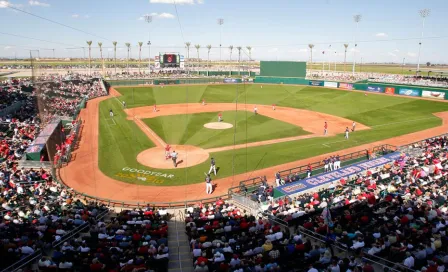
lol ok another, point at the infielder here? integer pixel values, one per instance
(155, 108)
(212, 166)
(111, 113)
(203, 102)
(208, 184)
(273, 106)
(353, 126)
(255, 110)
(346, 133)
(325, 128)
(124, 104)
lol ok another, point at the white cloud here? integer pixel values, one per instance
(273, 50)
(178, 2)
(392, 54)
(6, 3)
(37, 3)
(396, 50)
(412, 54)
(75, 16)
(163, 15)
(381, 34)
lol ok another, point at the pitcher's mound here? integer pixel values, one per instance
(187, 156)
(218, 125)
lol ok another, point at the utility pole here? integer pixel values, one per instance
(148, 19)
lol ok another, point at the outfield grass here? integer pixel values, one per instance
(387, 116)
(188, 129)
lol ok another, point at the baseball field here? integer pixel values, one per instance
(121, 139)
(123, 157)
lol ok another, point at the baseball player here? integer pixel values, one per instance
(337, 163)
(309, 170)
(278, 179)
(167, 152)
(203, 102)
(155, 108)
(212, 166)
(220, 117)
(255, 110)
(111, 113)
(208, 184)
(346, 133)
(174, 158)
(353, 126)
(273, 106)
(331, 163)
(325, 161)
(325, 128)
(124, 104)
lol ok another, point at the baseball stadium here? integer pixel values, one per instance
(167, 154)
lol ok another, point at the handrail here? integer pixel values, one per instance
(23, 262)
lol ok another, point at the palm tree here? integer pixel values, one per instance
(197, 46)
(209, 47)
(188, 44)
(311, 46)
(115, 56)
(231, 49)
(249, 48)
(345, 54)
(239, 59)
(100, 45)
(128, 45)
(139, 55)
(89, 43)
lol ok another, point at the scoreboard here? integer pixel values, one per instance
(169, 60)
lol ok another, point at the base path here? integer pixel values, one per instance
(310, 121)
(83, 173)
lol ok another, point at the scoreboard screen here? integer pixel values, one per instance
(169, 60)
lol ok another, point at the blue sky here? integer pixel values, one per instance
(278, 29)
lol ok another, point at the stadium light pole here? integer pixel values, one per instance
(148, 19)
(220, 23)
(423, 13)
(402, 66)
(357, 18)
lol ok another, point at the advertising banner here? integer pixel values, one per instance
(390, 90)
(230, 80)
(432, 94)
(408, 92)
(346, 86)
(376, 89)
(316, 83)
(330, 84)
(326, 178)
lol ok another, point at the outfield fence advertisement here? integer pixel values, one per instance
(231, 80)
(390, 90)
(409, 92)
(316, 83)
(330, 84)
(346, 86)
(327, 178)
(432, 94)
(376, 89)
